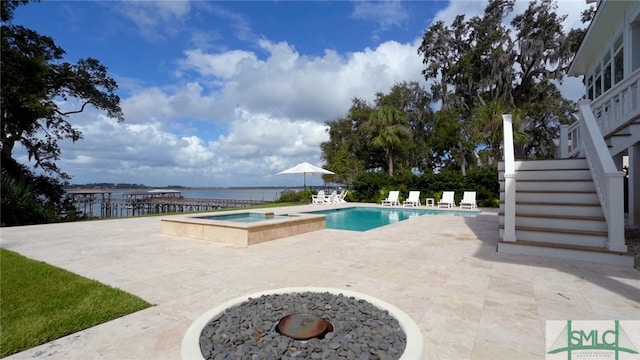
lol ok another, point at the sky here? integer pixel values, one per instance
(229, 93)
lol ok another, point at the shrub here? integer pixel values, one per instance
(294, 196)
(375, 186)
(368, 186)
(484, 182)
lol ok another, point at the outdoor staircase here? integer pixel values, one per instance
(618, 141)
(558, 213)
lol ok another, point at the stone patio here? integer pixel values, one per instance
(443, 271)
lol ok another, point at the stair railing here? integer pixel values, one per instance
(509, 232)
(569, 140)
(618, 105)
(607, 179)
(612, 111)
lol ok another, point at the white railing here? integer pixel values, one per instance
(612, 112)
(616, 107)
(606, 177)
(569, 140)
(509, 233)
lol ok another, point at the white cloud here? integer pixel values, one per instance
(237, 116)
(386, 13)
(155, 19)
(268, 115)
(222, 65)
(469, 8)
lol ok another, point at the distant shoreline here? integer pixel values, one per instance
(95, 187)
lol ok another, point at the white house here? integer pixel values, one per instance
(573, 207)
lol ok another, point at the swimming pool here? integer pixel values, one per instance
(367, 218)
(243, 217)
(241, 228)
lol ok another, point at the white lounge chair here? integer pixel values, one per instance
(447, 200)
(392, 199)
(413, 199)
(330, 199)
(340, 197)
(468, 200)
(319, 198)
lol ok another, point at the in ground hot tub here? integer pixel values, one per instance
(241, 228)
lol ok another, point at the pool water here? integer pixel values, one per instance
(242, 217)
(367, 218)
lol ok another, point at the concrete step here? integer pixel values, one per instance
(552, 164)
(545, 175)
(581, 185)
(570, 252)
(535, 208)
(565, 224)
(555, 236)
(555, 197)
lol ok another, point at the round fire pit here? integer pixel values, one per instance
(303, 322)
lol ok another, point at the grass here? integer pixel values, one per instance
(40, 303)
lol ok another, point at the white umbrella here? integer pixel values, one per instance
(305, 168)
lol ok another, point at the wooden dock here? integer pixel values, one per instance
(100, 203)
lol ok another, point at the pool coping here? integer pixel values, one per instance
(251, 233)
(240, 233)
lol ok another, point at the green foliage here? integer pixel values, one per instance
(388, 130)
(370, 186)
(34, 79)
(432, 185)
(7, 7)
(391, 134)
(484, 181)
(41, 303)
(348, 153)
(375, 186)
(20, 206)
(293, 196)
(480, 72)
(31, 199)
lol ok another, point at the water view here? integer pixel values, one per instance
(132, 202)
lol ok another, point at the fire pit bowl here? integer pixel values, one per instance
(357, 322)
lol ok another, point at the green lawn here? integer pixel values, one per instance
(40, 303)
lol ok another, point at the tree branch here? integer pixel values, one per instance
(74, 111)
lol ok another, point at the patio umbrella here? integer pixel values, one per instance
(304, 169)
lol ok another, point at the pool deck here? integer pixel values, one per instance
(443, 271)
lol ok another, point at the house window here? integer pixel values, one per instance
(590, 88)
(598, 82)
(634, 49)
(618, 60)
(606, 72)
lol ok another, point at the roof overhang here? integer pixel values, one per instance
(601, 31)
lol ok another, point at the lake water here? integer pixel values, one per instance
(266, 194)
(262, 194)
(236, 194)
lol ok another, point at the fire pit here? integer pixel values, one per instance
(305, 323)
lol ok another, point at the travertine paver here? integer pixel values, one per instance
(443, 271)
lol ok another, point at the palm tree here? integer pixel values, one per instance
(486, 126)
(388, 130)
